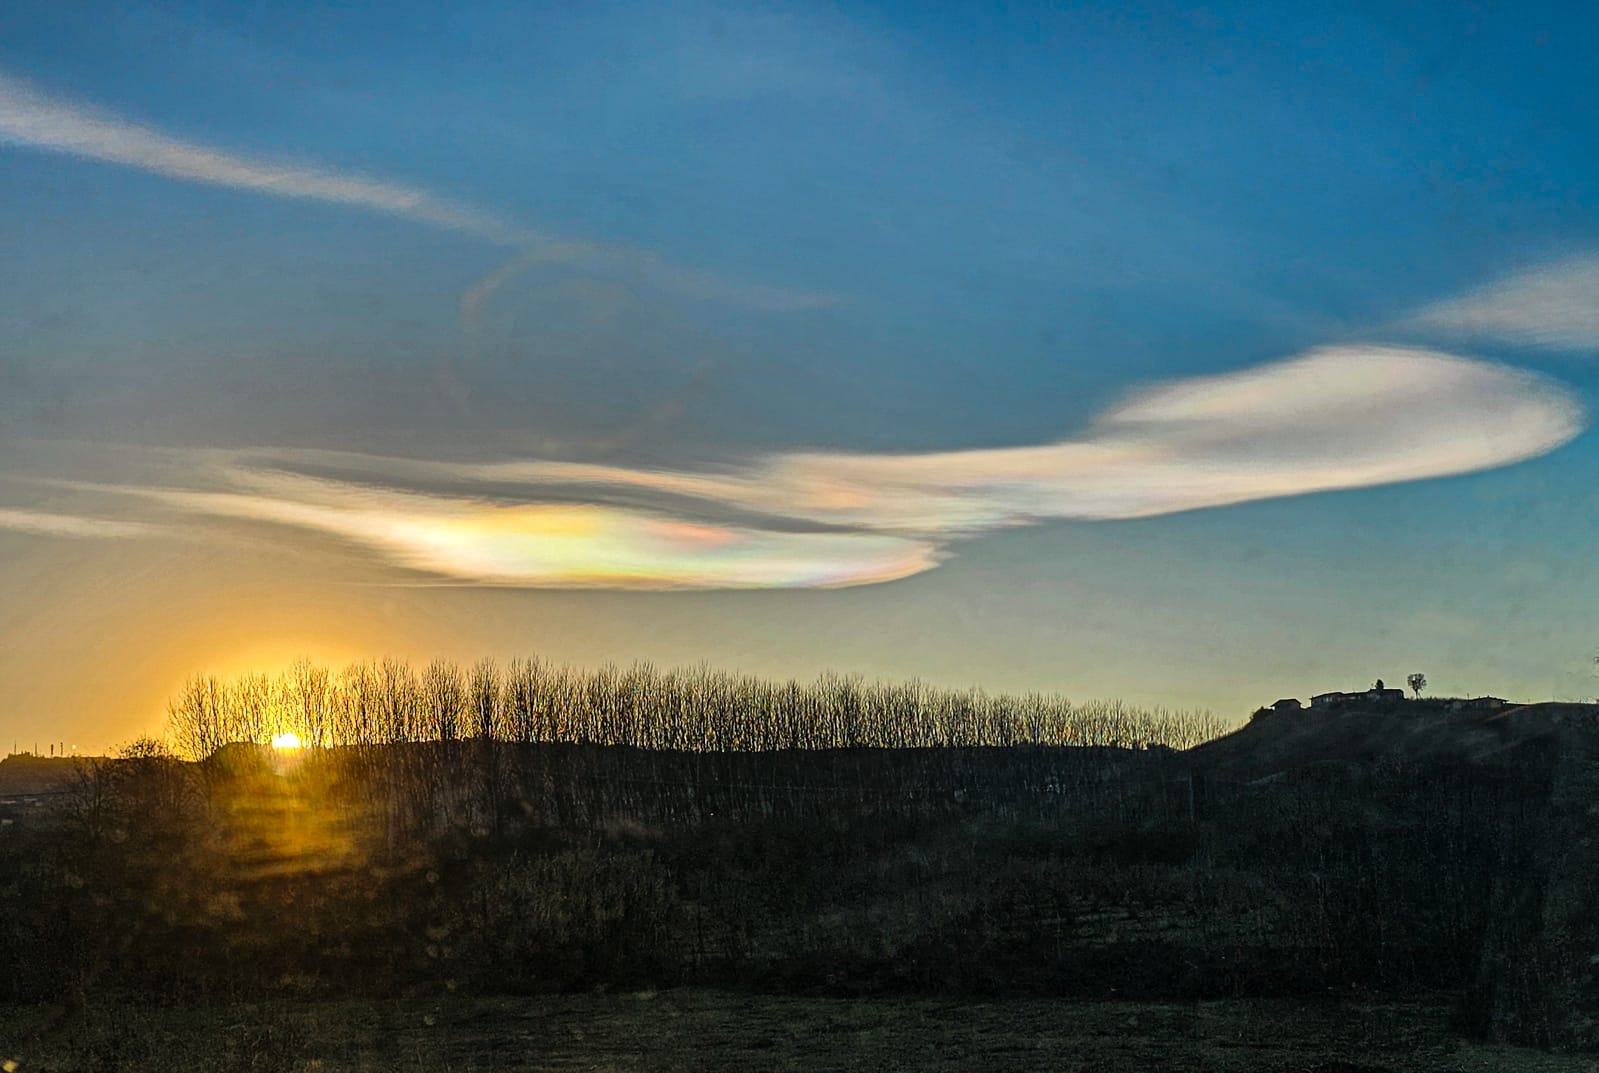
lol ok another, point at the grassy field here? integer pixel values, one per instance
(655, 1032)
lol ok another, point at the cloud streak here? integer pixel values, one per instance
(1553, 306)
(30, 118)
(1331, 419)
(34, 119)
(43, 523)
(559, 545)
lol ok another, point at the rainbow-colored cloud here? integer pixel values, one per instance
(1333, 418)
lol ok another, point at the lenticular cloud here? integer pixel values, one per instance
(1333, 418)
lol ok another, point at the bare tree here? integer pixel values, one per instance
(249, 709)
(91, 798)
(305, 702)
(1418, 682)
(196, 717)
(152, 784)
(698, 709)
(445, 697)
(485, 694)
(522, 707)
(355, 706)
(398, 696)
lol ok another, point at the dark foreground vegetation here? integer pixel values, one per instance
(1405, 852)
(692, 1030)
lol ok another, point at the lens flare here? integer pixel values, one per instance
(287, 743)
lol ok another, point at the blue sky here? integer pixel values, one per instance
(1186, 355)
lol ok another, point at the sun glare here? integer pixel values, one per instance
(286, 742)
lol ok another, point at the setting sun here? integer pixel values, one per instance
(286, 742)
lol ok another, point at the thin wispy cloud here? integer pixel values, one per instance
(1332, 419)
(32, 118)
(45, 523)
(1553, 306)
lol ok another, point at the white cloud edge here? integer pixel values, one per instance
(1550, 306)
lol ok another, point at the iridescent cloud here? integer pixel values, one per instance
(1333, 418)
(559, 545)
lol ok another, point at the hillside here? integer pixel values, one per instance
(1277, 742)
(1511, 795)
(24, 775)
(1405, 849)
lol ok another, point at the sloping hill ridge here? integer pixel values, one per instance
(1537, 975)
(1278, 742)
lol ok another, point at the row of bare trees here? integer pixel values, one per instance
(699, 709)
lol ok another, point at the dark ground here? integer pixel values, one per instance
(704, 1030)
(1398, 889)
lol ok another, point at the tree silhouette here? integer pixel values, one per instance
(1418, 682)
(698, 709)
